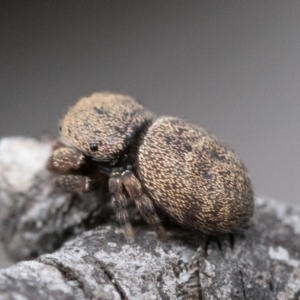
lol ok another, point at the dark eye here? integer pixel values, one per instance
(94, 147)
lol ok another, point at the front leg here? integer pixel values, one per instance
(74, 183)
(65, 159)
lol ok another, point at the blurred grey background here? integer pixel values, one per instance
(230, 66)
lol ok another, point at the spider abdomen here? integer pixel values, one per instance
(194, 178)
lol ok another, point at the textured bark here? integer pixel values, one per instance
(78, 252)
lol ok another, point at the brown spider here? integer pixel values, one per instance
(164, 162)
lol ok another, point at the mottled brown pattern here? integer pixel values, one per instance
(176, 165)
(194, 178)
(65, 159)
(104, 121)
(143, 203)
(74, 183)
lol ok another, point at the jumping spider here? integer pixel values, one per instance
(164, 162)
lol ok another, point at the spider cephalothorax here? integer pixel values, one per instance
(164, 162)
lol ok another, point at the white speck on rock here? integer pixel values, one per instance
(282, 296)
(280, 253)
(209, 269)
(207, 275)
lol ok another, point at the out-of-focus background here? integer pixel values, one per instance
(230, 66)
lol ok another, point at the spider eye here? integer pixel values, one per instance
(94, 147)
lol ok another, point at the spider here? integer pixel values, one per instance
(162, 162)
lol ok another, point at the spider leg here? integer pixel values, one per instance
(65, 159)
(143, 203)
(120, 202)
(74, 183)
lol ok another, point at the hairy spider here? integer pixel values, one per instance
(164, 162)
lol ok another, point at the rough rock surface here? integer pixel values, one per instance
(77, 251)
